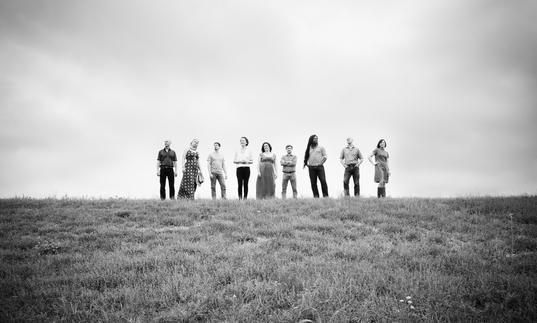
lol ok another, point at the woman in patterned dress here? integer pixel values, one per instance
(191, 168)
(266, 178)
(382, 170)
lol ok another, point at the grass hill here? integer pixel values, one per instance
(324, 260)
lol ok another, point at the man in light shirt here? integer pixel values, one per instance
(288, 163)
(217, 171)
(351, 158)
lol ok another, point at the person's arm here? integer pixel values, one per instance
(174, 159)
(342, 158)
(293, 161)
(224, 168)
(183, 161)
(158, 167)
(259, 166)
(324, 158)
(250, 158)
(209, 161)
(199, 166)
(360, 158)
(371, 160)
(283, 162)
(387, 164)
(235, 158)
(275, 166)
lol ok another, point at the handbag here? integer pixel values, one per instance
(200, 178)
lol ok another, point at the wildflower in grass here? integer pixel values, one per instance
(412, 307)
(408, 297)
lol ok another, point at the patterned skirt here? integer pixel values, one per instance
(188, 182)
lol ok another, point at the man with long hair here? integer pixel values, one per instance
(314, 158)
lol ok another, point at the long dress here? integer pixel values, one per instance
(265, 185)
(190, 175)
(381, 169)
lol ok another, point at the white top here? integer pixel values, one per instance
(243, 157)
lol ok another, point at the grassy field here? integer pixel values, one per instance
(326, 260)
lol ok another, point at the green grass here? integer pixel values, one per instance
(327, 260)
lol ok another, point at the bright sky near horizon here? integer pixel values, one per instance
(89, 90)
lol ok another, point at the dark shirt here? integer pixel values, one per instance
(166, 157)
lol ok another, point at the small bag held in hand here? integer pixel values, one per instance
(200, 178)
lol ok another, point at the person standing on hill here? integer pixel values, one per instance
(314, 158)
(217, 171)
(167, 168)
(266, 176)
(190, 168)
(382, 169)
(288, 163)
(351, 158)
(243, 159)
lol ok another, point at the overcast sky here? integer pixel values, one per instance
(90, 89)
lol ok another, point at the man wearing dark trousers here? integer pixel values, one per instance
(167, 168)
(351, 158)
(314, 158)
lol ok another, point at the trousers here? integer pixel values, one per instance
(289, 177)
(317, 172)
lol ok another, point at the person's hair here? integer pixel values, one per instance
(217, 143)
(196, 140)
(381, 140)
(307, 153)
(288, 146)
(263, 147)
(247, 142)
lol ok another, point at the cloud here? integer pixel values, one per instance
(98, 85)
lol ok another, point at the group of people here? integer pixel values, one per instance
(267, 169)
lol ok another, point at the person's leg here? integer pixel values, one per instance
(171, 183)
(322, 178)
(285, 181)
(313, 180)
(293, 185)
(381, 183)
(239, 182)
(246, 179)
(222, 182)
(346, 178)
(162, 184)
(213, 185)
(356, 180)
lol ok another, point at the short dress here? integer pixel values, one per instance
(265, 185)
(190, 176)
(381, 169)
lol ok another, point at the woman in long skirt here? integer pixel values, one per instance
(382, 169)
(266, 178)
(191, 167)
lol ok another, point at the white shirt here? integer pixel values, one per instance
(243, 156)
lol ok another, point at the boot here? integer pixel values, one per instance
(383, 191)
(379, 192)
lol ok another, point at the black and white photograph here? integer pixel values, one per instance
(268, 161)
